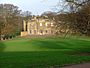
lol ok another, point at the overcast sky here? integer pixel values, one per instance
(35, 6)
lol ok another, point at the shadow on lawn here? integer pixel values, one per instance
(75, 45)
(2, 46)
(51, 44)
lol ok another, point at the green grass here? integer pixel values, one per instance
(43, 52)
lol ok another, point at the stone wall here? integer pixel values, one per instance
(24, 33)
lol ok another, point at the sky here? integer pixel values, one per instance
(37, 7)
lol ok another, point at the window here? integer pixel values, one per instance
(40, 24)
(41, 31)
(34, 31)
(26, 27)
(30, 31)
(51, 31)
(51, 24)
(46, 24)
(46, 31)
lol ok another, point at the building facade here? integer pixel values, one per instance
(38, 26)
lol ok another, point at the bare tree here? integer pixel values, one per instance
(77, 18)
(10, 16)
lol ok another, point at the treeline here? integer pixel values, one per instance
(10, 21)
(76, 20)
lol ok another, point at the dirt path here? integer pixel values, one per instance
(84, 65)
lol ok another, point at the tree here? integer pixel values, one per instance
(49, 14)
(80, 19)
(77, 18)
(10, 19)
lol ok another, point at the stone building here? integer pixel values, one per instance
(38, 26)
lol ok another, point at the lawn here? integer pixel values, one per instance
(43, 52)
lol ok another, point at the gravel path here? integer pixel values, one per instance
(84, 65)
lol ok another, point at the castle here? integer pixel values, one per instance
(38, 26)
